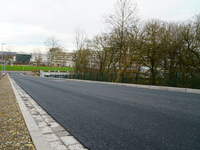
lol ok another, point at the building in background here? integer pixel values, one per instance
(39, 59)
(60, 58)
(69, 60)
(63, 59)
(23, 58)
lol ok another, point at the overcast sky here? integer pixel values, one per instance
(26, 24)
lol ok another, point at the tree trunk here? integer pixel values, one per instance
(119, 74)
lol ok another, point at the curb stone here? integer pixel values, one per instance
(36, 135)
(165, 88)
(45, 132)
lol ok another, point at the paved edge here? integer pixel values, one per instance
(174, 89)
(38, 139)
(166, 88)
(57, 137)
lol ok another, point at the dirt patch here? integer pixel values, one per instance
(31, 73)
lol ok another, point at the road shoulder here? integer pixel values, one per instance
(46, 133)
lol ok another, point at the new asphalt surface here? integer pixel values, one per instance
(109, 117)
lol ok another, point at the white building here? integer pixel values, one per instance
(36, 55)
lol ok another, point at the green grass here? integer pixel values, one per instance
(31, 68)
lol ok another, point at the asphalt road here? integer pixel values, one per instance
(109, 117)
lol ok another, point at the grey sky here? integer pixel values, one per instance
(26, 24)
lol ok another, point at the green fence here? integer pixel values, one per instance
(173, 80)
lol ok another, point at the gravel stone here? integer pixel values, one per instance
(13, 131)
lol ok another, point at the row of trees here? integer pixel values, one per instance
(132, 43)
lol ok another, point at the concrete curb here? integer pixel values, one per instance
(38, 139)
(56, 136)
(165, 88)
(174, 89)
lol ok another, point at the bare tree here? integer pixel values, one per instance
(63, 58)
(9, 56)
(53, 48)
(37, 54)
(123, 23)
(82, 60)
(190, 55)
(80, 38)
(171, 46)
(103, 53)
(52, 42)
(81, 56)
(152, 48)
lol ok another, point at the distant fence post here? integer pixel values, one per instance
(90, 76)
(153, 77)
(122, 78)
(136, 78)
(111, 78)
(175, 79)
(97, 77)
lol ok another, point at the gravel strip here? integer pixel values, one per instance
(13, 131)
